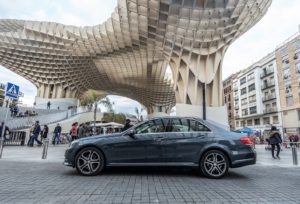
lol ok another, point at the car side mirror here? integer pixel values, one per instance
(131, 133)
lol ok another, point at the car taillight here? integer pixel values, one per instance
(246, 141)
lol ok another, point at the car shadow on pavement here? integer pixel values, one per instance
(145, 171)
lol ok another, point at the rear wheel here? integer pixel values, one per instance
(89, 161)
(214, 164)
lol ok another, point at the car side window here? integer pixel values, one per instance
(152, 126)
(180, 125)
(187, 125)
(196, 126)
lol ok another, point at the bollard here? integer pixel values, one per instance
(45, 149)
(1, 146)
(295, 157)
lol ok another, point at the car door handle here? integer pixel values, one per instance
(158, 139)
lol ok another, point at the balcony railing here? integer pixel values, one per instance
(270, 110)
(269, 97)
(267, 73)
(268, 85)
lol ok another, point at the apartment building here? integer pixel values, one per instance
(288, 63)
(257, 103)
(229, 99)
(2, 94)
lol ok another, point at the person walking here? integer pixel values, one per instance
(127, 125)
(48, 105)
(36, 133)
(6, 131)
(57, 133)
(275, 140)
(44, 133)
(81, 131)
(74, 131)
(296, 140)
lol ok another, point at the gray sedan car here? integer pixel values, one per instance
(165, 141)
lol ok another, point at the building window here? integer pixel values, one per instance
(257, 121)
(243, 124)
(298, 114)
(253, 110)
(244, 102)
(266, 121)
(275, 119)
(237, 124)
(250, 76)
(252, 99)
(289, 101)
(286, 74)
(249, 122)
(244, 112)
(298, 68)
(243, 81)
(251, 87)
(243, 91)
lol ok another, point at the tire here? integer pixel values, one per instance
(214, 164)
(89, 161)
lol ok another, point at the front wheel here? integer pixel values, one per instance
(89, 161)
(214, 164)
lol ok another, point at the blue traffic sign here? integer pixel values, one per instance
(12, 91)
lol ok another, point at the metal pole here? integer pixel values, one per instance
(45, 149)
(3, 132)
(204, 101)
(294, 153)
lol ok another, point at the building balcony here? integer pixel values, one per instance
(270, 110)
(267, 73)
(236, 107)
(267, 85)
(269, 97)
(236, 98)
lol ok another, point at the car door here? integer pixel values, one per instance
(184, 139)
(130, 149)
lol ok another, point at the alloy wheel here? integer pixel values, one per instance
(89, 162)
(214, 164)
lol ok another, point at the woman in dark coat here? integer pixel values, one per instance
(45, 132)
(275, 140)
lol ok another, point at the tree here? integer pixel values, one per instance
(93, 97)
(139, 113)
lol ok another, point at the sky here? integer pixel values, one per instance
(280, 22)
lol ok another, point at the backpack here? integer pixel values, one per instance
(296, 138)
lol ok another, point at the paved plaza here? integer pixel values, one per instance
(25, 178)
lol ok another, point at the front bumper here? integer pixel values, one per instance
(69, 158)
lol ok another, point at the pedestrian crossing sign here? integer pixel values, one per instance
(12, 91)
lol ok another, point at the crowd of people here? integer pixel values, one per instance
(15, 112)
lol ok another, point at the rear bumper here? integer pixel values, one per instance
(244, 160)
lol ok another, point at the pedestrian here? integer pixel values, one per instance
(57, 133)
(6, 131)
(74, 131)
(11, 109)
(48, 105)
(127, 125)
(296, 140)
(36, 133)
(31, 140)
(44, 133)
(7, 102)
(291, 140)
(253, 139)
(16, 110)
(81, 131)
(275, 140)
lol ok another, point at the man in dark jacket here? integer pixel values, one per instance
(57, 132)
(36, 132)
(127, 125)
(5, 131)
(275, 139)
